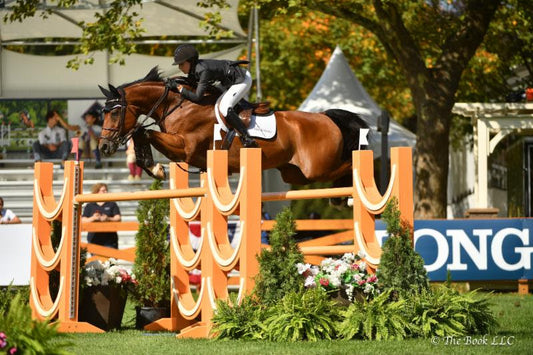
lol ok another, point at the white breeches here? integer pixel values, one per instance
(234, 94)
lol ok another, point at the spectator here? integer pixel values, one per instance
(89, 138)
(7, 216)
(135, 170)
(102, 212)
(65, 125)
(52, 142)
(265, 235)
(25, 119)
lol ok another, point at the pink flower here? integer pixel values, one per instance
(12, 351)
(361, 282)
(3, 341)
(372, 278)
(324, 281)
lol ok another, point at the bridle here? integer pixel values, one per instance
(118, 137)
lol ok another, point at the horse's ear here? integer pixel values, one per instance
(106, 92)
(114, 91)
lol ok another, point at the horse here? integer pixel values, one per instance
(306, 147)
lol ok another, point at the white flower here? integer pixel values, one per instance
(348, 258)
(310, 281)
(303, 267)
(98, 273)
(368, 288)
(349, 291)
(362, 266)
(342, 268)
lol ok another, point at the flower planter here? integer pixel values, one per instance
(147, 315)
(103, 306)
(341, 296)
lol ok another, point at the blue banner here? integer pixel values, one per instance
(474, 249)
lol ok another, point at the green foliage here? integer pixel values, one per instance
(378, 319)
(238, 321)
(29, 336)
(7, 294)
(302, 316)
(152, 258)
(401, 268)
(446, 312)
(278, 274)
(115, 30)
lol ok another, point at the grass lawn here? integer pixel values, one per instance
(514, 335)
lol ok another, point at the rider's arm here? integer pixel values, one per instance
(203, 83)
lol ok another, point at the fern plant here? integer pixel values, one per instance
(446, 312)
(378, 319)
(238, 321)
(479, 317)
(278, 274)
(311, 315)
(23, 335)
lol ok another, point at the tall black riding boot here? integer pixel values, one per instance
(235, 121)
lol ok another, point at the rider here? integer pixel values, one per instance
(234, 82)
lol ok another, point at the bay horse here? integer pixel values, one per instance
(306, 147)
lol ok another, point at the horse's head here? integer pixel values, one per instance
(120, 114)
(118, 121)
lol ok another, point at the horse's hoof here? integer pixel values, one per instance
(339, 202)
(159, 172)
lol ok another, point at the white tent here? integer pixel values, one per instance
(38, 76)
(339, 88)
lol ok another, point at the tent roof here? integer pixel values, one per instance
(43, 76)
(161, 18)
(338, 87)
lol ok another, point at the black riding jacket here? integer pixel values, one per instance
(220, 74)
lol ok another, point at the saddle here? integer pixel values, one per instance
(246, 109)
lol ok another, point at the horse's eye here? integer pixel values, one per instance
(115, 114)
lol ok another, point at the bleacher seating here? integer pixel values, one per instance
(16, 185)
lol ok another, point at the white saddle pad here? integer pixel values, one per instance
(260, 126)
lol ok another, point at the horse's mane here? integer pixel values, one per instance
(154, 75)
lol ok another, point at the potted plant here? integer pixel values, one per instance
(347, 278)
(104, 293)
(152, 260)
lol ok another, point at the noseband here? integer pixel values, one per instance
(110, 105)
(121, 102)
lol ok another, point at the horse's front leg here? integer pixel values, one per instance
(143, 155)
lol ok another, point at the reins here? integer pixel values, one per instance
(124, 105)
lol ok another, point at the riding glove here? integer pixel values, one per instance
(172, 84)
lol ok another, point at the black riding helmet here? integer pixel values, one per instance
(185, 52)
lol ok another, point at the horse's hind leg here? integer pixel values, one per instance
(343, 181)
(292, 174)
(143, 155)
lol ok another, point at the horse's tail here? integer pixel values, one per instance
(349, 123)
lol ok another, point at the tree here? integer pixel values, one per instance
(115, 30)
(152, 257)
(432, 44)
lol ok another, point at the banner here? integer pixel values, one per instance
(472, 249)
(15, 254)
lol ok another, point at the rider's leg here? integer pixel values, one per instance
(229, 99)
(235, 121)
